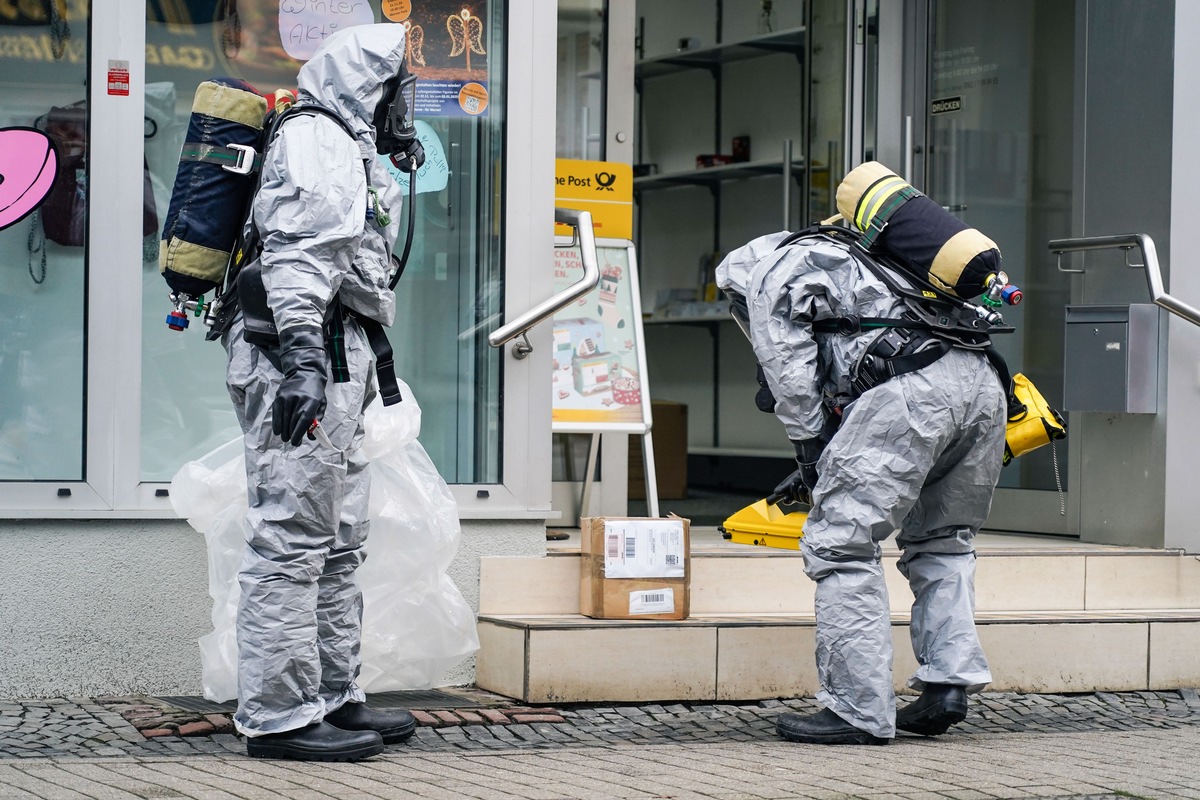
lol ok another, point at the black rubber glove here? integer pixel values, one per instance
(808, 453)
(797, 487)
(764, 400)
(300, 400)
(792, 490)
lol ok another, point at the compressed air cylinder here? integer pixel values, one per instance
(922, 236)
(209, 200)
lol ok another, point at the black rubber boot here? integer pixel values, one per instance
(393, 724)
(939, 706)
(824, 727)
(319, 741)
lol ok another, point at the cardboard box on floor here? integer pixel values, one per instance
(635, 567)
(670, 453)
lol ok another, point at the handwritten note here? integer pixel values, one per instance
(434, 174)
(304, 24)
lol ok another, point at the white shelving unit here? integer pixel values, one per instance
(713, 60)
(787, 169)
(786, 41)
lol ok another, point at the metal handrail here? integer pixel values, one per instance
(581, 221)
(1127, 242)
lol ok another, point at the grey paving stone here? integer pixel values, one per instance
(1141, 742)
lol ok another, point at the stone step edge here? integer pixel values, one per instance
(752, 551)
(578, 621)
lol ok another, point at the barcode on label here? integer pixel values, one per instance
(613, 545)
(630, 547)
(652, 601)
(672, 560)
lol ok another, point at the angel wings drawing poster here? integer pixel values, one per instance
(449, 44)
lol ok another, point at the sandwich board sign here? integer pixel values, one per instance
(599, 357)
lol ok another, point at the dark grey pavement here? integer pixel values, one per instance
(1138, 744)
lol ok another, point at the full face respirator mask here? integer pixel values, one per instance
(395, 133)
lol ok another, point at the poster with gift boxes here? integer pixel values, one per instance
(599, 364)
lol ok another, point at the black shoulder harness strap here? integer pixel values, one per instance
(385, 362)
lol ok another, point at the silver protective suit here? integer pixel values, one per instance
(919, 453)
(299, 618)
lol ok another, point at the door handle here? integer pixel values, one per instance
(585, 234)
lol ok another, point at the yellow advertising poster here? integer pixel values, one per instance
(603, 188)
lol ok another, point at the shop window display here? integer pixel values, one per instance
(43, 135)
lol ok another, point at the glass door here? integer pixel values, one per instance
(594, 116)
(579, 135)
(993, 143)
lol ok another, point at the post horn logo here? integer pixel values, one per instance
(606, 180)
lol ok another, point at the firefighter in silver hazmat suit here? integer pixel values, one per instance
(298, 622)
(919, 453)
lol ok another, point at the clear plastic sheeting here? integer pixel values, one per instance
(416, 623)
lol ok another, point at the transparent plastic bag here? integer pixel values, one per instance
(416, 623)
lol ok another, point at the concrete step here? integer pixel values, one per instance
(1012, 574)
(1054, 615)
(570, 658)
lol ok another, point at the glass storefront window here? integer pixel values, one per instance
(43, 258)
(580, 104)
(827, 108)
(1000, 158)
(451, 288)
(579, 129)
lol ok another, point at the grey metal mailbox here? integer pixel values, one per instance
(1111, 358)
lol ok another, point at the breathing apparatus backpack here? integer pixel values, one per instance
(228, 131)
(212, 187)
(933, 262)
(927, 241)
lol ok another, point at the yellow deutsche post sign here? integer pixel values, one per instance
(603, 188)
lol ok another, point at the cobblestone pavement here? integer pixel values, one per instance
(1138, 744)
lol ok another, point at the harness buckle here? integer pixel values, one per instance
(245, 159)
(874, 231)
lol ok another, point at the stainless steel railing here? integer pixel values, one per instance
(1127, 242)
(585, 235)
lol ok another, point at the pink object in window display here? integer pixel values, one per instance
(28, 164)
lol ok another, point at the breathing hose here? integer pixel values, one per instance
(412, 220)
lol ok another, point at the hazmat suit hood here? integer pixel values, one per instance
(347, 73)
(733, 273)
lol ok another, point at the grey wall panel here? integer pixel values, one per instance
(1183, 365)
(1123, 186)
(94, 607)
(1127, 138)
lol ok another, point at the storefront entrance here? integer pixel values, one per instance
(987, 132)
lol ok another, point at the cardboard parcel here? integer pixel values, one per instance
(634, 568)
